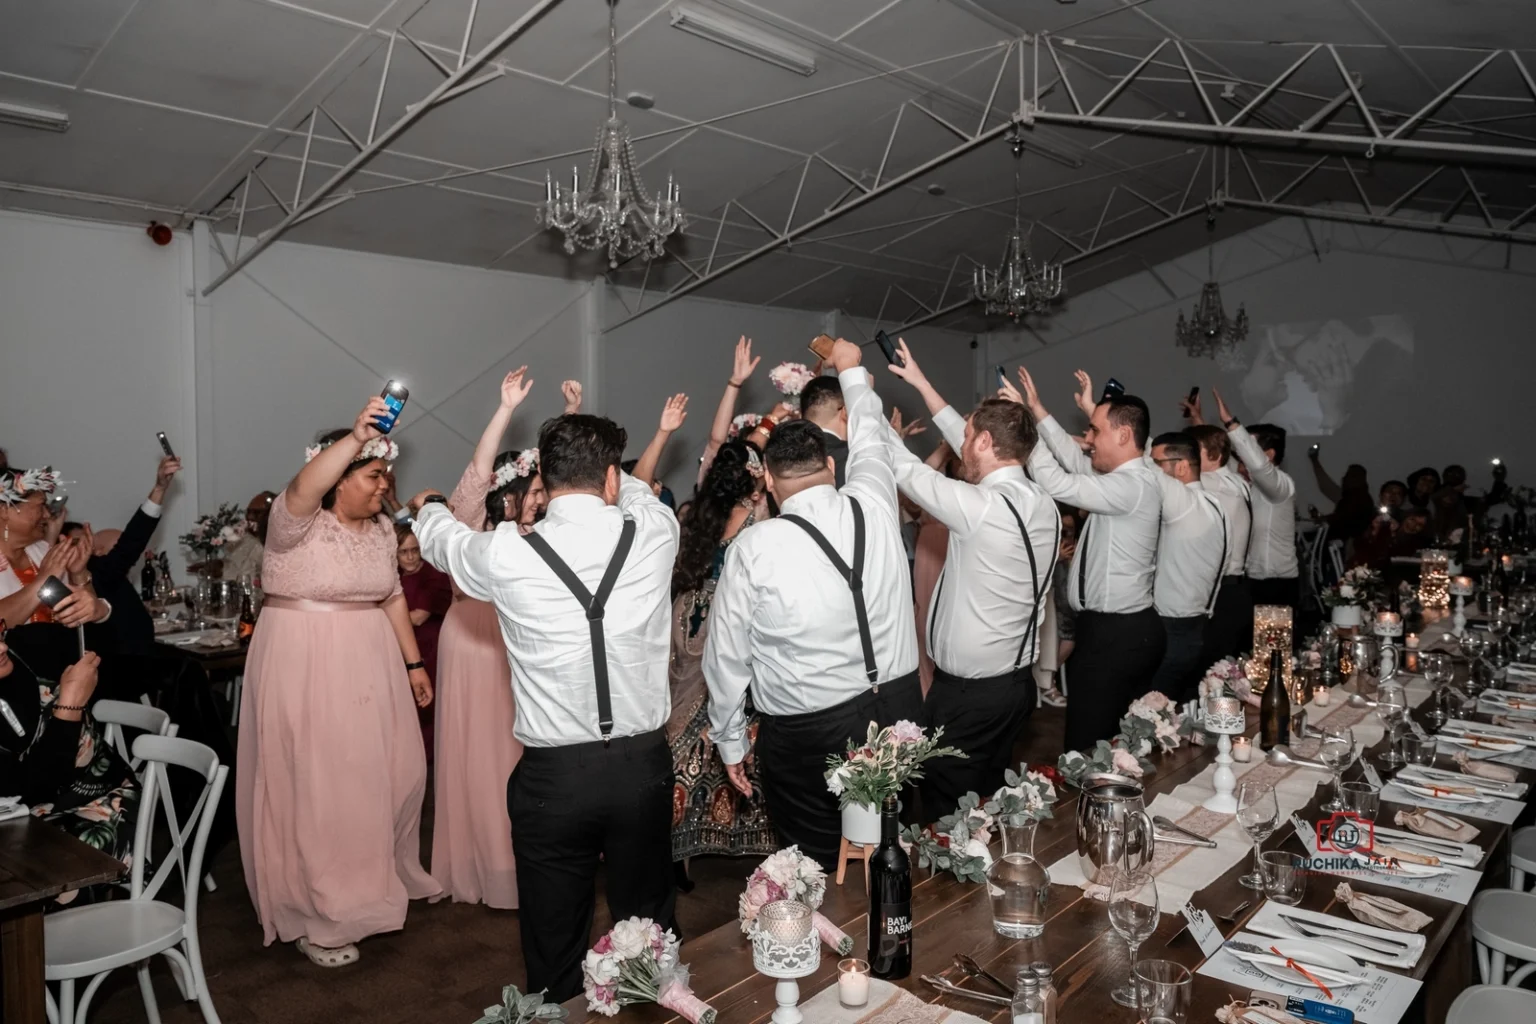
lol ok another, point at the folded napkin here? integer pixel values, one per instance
(1380, 911)
(1518, 724)
(1434, 824)
(12, 807)
(1485, 769)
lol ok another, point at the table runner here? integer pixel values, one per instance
(887, 1005)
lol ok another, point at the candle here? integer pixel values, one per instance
(1320, 695)
(853, 983)
(1434, 568)
(1389, 624)
(1271, 630)
(1242, 749)
(1462, 586)
(1411, 641)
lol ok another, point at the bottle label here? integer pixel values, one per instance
(893, 931)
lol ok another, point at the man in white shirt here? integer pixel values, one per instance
(1272, 565)
(984, 620)
(824, 638)
(1232, 620)
(584, 603)
(1119, 635)
(1191, 554)
(822, 403)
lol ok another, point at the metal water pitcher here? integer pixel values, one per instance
(1113, 828)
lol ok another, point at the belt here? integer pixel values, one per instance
(1014, 677)
(303, 604)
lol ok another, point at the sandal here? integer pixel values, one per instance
(328, 956)
(1052, 697)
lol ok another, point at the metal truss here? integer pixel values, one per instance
(459, 79)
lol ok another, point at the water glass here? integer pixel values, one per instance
(1417, 749)
(1337, 749)
(1133, 920)
(1163, 991)
(1392, 706)
(1258, 812)
(1285, 877)
(1362, 798)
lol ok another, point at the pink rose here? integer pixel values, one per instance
(1156, 701)
(1125, 763)
(907, 732)
(604, 944)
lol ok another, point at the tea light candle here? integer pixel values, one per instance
(1320, 696)
(1461, 586)
(1389, 624)
(1411, 641)
(787, 921)
(853, 983)
(1242, 749)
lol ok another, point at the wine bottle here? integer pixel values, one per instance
(890, 901)
(1275, 708)
(247, 618)
(147, 579)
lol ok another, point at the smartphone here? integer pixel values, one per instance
(1194, 396)
(821, 345)
(1498, 462)
(1316, 448)
(165, 445)
(1002, 375)
(52, 591)
(1112, 389)
(394, 395)
(11, 720)
(888, 348)
(55, 502)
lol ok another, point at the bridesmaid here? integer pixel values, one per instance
(331, 771)
(475, 751)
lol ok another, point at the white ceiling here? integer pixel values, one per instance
(173, 102)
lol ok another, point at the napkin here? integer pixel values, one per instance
(1518, 724)
(1485, 769)
(1380, 911)
(1427, 823)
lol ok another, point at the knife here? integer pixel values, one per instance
(1191, 838)
(1441, 773)
(1333, 940)
(1392, 947)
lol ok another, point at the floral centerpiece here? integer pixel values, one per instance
(1112, 758)
(517, 1008)
(637, 962)
(1353, 595)
(790, 875)
(957, 842)
(790, 378)
(215, 532)
(888, 759)
(1229, 678)
(1151, 721)
(1023, 799)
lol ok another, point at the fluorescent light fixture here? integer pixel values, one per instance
(28, 116)
(744, 38)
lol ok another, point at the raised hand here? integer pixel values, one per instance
(57, 559)
(77, 609)
(1191, 410)
(364, 429)
(515, 387)
(906, 430)
(783, 411)
(911, 372)
(1084, 396)
(1221, 407)
(744, 364)
(1031, 395)
(84, 547)
(1009, 393)
(845, 355)
(420, 499)
(674, 413)
(169, 466)
(571, 389)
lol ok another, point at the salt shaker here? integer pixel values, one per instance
(1028, 1007)
(1048, 995)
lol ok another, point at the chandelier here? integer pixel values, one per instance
(614, 212)
(1208, 331)
(1019, 286)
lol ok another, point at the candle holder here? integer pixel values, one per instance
(1434, 578)
(785, 947)
(1224, 717)
(1388, 627)
(1271, 631)
(1462, 587)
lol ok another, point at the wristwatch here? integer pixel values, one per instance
(412, 666)
(431, 499)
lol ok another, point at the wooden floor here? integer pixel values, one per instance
(448, 964)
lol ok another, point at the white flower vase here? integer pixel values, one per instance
(1347, 615)
(861, 824)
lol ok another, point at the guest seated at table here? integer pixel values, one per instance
(1394, 495)
(52, 755)
(244, 557)
(1422, 485)
(428, 594)
(28, 556)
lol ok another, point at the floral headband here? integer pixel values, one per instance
(526, 464)
(743, 424)
(20, 483)
(754, 463)
(378, 448)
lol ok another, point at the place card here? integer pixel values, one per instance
(1381, 999)
(1371, 774)
(1455, 884)
(1202, 928)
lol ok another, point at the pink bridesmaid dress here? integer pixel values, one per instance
(474, 749)
(928, 562)
(331, 772)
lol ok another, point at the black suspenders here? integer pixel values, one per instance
(1034, 578)
(1221, 569)
(594, 608)
(854, 578)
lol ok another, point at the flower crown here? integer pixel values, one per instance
(743, 424)
(20, 483)
(377, 448)
(754, 463)
(526, 464)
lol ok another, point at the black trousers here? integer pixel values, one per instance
(1230, 631)
(1113, 664)
(1281, 590)
(569, 806)
(792, 752)
(983, 718)
(1179, 674)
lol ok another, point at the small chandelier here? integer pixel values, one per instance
(1208, 331)
(615, 211)
(1019, 286)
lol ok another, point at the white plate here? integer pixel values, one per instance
(1313, 953)
(1403, 869)
(1483, 743)
(1433, 794)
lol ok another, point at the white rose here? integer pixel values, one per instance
(977, 848)
(630, 938)
(838, 780)
(1345, 590)
(602, 969)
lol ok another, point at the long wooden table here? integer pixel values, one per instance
(1089, 959)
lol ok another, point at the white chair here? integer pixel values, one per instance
(1336, 557)
(118, 715)
(92, 941)
(1504, 930)
(1492, 1004)
(1522, 858)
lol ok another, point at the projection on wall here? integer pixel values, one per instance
(1310, 376)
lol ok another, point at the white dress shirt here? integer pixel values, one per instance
(1231, 492)
(545, 628)
(984, 603)
(1112, 569)
(1191, 551)
(782, 619)
(1272, 546)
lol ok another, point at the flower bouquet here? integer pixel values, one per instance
(637, 962)
(888, 759)
(1358, 587)
(517, 1008)
(790, 378)
(1229, 678)
(1113, 758)
(213, 533)
(1023, 799)
(957, 842)
(791, 875)
(1151, 720)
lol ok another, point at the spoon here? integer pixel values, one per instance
(1230, 917)
(1281, 755)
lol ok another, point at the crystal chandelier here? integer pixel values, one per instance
(1208, 331)
(1019, 286)
(614, 211)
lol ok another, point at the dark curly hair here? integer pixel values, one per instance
(724, 486)
(496, 498)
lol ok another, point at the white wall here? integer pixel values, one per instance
(1456, 402)
(95, 357)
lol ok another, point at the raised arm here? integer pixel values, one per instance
(514, 388)
(1070, 457)
(871, 468)
(141, 525)
(454, 548)
(672, 416)
(1266, 477)
(1178, 500)
(1111, 493)
(741, 369)
(1326, 484)
(951, 424)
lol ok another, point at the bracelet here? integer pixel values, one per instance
(68, 707)
(1229, 424)
(412, 666)
(766, 425)
(733, 383)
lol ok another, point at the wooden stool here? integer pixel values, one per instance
(854, 851)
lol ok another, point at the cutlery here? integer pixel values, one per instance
(1333, 940)
(1194, 838)
(1448, 845)
(1470, 782)
(1446, 856)
(1257, 954)
(945, 985)
(1231, 916)
(968, 964)
(1380, 944)
(1474, 780)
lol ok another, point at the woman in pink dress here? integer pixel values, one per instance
(475, 751)
(331, 771)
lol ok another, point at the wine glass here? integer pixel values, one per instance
(1438, 672)
(1338, 751)
(1259, 813)
(1392, 706)
(1133, 914)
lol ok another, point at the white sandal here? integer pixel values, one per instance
(328, 956)
(1052, 697)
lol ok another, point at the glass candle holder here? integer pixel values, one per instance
(1271, 631)
(1434, 578)
(1224, 715)
(787, 922)
(1388, 624)
(853, 983)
